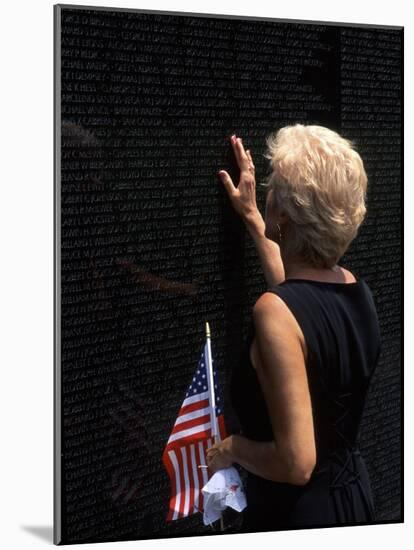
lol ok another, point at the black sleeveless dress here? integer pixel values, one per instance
(340, 325)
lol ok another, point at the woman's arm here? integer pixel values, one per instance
(243, 199)
(282, 374)
(262, 458)
(268, 250)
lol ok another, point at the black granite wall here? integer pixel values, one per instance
(151, 248)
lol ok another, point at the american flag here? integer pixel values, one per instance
(191, 436)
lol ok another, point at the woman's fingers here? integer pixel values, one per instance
(236, 149)
(240, 153)
(244, 159)
(227, 182)
(249, 155)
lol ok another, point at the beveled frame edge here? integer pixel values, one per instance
(230, 16)
(57, 408)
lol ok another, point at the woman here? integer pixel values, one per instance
(314, 339)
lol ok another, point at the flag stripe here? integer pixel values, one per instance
(196, 398)
(186, 481)
(194, 405)
(167, 462)
(182, 484)
(190, 481)
(203, 419)
(176, 503)
(195, 477)
(199, 432)
(193, 415)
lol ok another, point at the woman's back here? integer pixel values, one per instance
(340, 326)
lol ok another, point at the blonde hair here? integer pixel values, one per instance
(319, 181)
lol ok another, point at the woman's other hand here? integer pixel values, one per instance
(242, 197)
(219, 456)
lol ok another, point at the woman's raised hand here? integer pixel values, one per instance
(242, 197)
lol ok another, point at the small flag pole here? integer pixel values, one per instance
(214, 429)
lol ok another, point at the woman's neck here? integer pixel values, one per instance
(300, 270)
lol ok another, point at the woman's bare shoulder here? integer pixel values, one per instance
(272, 311)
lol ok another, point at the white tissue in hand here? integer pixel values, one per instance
(224, 488)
